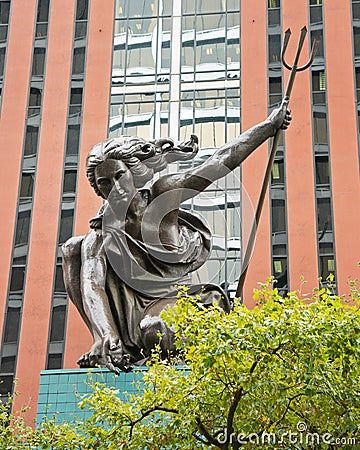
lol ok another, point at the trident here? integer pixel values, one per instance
(293, 70)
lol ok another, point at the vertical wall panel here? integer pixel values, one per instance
(42, 252)
(95, 125)
(13, 113)
(343, 139)
(299, 159)
(254, 110)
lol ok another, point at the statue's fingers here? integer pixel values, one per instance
(109, 364)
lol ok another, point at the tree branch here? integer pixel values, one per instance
(147, 413)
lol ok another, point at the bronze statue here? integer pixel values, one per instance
(141, 245)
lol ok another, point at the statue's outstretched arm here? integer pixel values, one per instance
(225, 159)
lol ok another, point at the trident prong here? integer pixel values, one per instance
(293, 69)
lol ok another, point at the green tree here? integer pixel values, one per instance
(283, 375)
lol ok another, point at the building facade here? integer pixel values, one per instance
(73, 72)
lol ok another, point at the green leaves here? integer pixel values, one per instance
(287, 362)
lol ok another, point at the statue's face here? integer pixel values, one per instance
(113, 173)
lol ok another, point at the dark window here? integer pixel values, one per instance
(357, 41)
(356, 10)
(7, 364)
(41, 30)
(38, 62)
(76, 96)
(320, 128)
(73, 139)
(322, 170)
(279, 250)
(2, 61)
(17, 279)
(357, 83)
(3, 33)
(19, 260)
(324, 214)
(278, 216)
(275, 91)
(326, 248)
(35, 97)
(78, 61)
(27, 185)
(59, 280)
(43, 11)
(66, 224)
(316, 14)
(58, 323)
(273, 13)
(12, 325)
(316, 2)
(82, 7)
(31, 140)
(22, 228)
(6, 385)
(69, 182)
(54, 361)
(4, 12)
(318, 34)
(274, 47)
(80, 30)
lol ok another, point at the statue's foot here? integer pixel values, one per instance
(92, 358)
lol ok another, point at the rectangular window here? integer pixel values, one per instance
(278, 173)
(324, 214)
(320, 128)
(17, 279)
(274, 41)
(66, 225)
(7, 364)
(2, 61)
(356, 10)
(316, 14)
(322, 170)
(318, 34)
(273, 4)
(69, 182)
(12, 322)
(38, 64)
(82, 7)
(4, 12)
(35, 97)
(58, 323)
(73, 140)
(22, 228)
(59, 280)
(278, 216)
(3, 33)
(27, 185)
(43, 11)
(275, 91)
(78, 64)
(31, 140)
(54, 361)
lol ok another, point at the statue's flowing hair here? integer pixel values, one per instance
(139, 156)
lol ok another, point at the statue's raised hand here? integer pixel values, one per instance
(113, 354)
(281, 117)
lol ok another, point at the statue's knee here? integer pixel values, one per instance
(72, 247)
(154, 331)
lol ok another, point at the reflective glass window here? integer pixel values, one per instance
(7, 364)
(278, 173)
(318, 34)
(316, 14)
(356, 10)
(35, 97)
(205, 6)
(80, 30)
(275, 90)
(6, 385)
(3, 33)
(327, 266)
(54, 361)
